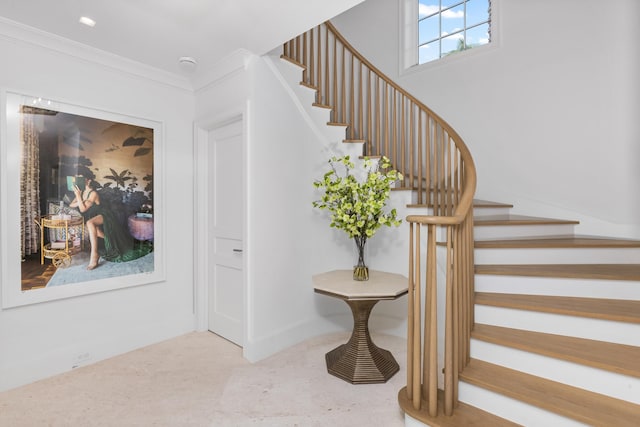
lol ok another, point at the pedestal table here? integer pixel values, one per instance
(360, 361)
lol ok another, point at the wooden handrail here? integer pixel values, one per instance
(438, 166)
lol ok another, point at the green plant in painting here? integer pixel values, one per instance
(120, 179)
(357, 206)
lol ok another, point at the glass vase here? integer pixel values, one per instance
(360, 270)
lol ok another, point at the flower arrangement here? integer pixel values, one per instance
(358, 206)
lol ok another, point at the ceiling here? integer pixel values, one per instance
(159, 32)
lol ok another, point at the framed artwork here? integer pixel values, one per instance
(80, 200)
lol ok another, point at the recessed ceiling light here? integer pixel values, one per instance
(87, 21)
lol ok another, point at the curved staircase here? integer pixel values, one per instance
(554, 336)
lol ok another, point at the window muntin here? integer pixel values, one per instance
(449, 26)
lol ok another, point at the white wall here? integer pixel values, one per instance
(287, 240)
(549, 113)
(544, 96)
(292, 240)
(43, 339)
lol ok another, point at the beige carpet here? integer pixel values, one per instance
(200, 379)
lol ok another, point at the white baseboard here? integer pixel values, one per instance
(85, 352)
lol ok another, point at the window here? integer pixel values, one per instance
(445, 27)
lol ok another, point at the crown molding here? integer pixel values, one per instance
(20, 33)
(228, 66)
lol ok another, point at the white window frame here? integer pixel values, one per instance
(409, 36)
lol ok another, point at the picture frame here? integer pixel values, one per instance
(77, 183)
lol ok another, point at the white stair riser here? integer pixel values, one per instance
(557, 255)
(292, 74)
(319, 115)
(511, 409)
(493, 232)
(499, 232)
(596, 380)
(418, 210)
(580, 327)
(585, 288)
(482, 212)
(479, 212)
(289, 71)
(337, 133)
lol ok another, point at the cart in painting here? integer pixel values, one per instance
(64, 238)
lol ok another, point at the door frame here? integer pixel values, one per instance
(201, 130)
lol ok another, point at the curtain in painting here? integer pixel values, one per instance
(29, 184)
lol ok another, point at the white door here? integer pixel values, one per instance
(226, 213)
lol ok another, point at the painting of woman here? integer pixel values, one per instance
(102, 223)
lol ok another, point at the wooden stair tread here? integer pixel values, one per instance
(619, 358)
(354, 141)
(567, 271)
(316, 104)
(581, 405)
(478, 203)
(308, 85)
(337, 124)
(559, 242)
(596, 308)
(509, 219)
(464, 415)
(293, 61)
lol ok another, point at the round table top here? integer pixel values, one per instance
(380, 286)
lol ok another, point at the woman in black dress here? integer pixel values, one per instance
(102, 223)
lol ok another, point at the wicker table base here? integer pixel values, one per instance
(360, 361)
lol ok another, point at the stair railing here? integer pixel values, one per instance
(435, 162)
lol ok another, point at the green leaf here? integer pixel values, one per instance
(141, 151)
(357, 206)
(131, 141)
